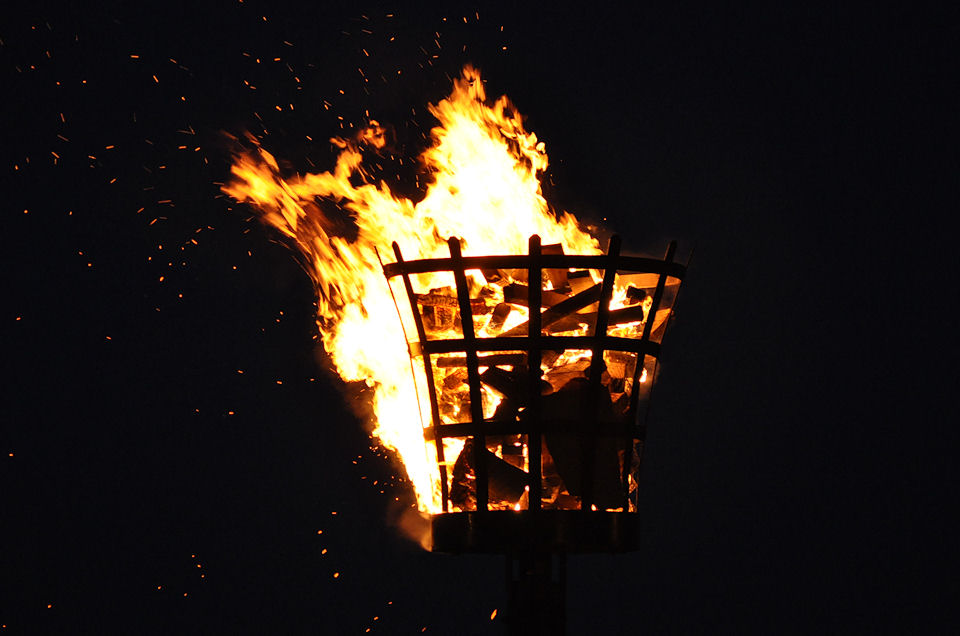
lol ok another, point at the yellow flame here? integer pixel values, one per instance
(484, 188)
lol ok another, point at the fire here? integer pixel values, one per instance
(483, 169)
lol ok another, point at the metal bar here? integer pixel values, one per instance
(406, 340)
(434, 407)
(589, 442)
(456, 345)
(473, 374)
(506, 427)
(534, 301)
(642, 360)
(628, 442)
(639, 264)
(537, 601)
(495, 360)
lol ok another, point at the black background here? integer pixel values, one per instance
(793, 472)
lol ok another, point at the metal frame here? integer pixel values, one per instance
(533, 342)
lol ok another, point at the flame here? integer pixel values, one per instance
(484, 187)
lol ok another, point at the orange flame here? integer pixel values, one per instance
(485, 189)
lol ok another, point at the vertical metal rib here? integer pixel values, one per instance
(642, 358)
(597, 365)
(473, 374)
(534, 302)
(406, 340)
(434, 407)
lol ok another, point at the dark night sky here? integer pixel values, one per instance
(791, 477)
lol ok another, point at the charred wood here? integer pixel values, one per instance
(566, 449)
(498, 317)
(506, 483)
(455, 379)
(509, 384)
(579, 280)
(635, 295)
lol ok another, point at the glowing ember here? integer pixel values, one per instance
(483, 169)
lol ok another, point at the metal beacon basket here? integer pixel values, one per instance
(537, 418)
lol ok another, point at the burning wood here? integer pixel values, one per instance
(569, 304)
(517, 294)
(579, 280)
(566, 449)
(500, 314)
(564, 309)
(507, 483)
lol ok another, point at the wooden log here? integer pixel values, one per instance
(620, 364)
(507, 411)
(445, 318)
(635, 295)
(463, 491)
(566, 449)
(511, 449)
(497, 318)
(517, 294)
(558, 377)
(492, 360)
(566, 453)
(551, 482)
(557, 277)
(439, 297)
(624, 357)
(617, 317)
(616, 385)
(509, 384)
(572, 322)
(616, 370)
(479, 306)
(506, 482)
(456, 379)
(549, 356)
(560, 310)
(579, 280)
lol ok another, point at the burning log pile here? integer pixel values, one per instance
(566, 431)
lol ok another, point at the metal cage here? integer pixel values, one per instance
(553, 464)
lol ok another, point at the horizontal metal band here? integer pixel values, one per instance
(544, 343)
(510, 532)
(545, 261)
(578, 427)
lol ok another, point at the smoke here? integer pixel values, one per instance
(413, 525)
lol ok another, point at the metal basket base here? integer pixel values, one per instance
(559, 531)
